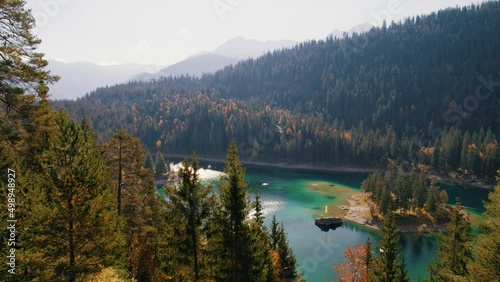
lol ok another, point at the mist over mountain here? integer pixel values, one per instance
(230, 52)
(77, 79)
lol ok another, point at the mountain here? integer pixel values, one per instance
(226, 54)
(198, 65)
(241, 48)
(77, 79)
(232, 51)
(418, 92)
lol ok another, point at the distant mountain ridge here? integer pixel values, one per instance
(79, 78)
(230, 52)
(416, 92)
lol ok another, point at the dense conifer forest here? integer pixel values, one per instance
(80, 195)
(421, 91)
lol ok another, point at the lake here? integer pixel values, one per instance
(295, 197)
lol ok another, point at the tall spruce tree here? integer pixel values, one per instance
(192, 203)
(288, 263)
(388, 266)
(233, 209)
(260, 249)
(455, 249)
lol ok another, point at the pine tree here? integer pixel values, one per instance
(192, 203)
(23, 80)
(388, 266)
(486, 264)
(74, 221)
(137, 201)
(455, 249)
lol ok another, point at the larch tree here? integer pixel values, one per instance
(355, 268)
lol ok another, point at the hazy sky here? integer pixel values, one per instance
(162, 32)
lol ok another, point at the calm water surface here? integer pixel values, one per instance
(285, 193)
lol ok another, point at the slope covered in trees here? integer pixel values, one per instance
(420, 91)
(81, 210)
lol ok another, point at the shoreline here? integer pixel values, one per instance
(358, 212)
(347, 169)
(302, 166)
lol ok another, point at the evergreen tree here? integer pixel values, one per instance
(160, 165)
(432, 196)
(455, 249)
(385, 200)
(23, 80)
(148, 161)
(75, 225)
(419, 187)
(486, 264)
(388, 266)
(124, 155)
(260, 249)
(369, 257)
(258, 216)
(288, 263)
(192, 202)
(274, 235)
(137, 201)
(233, 252)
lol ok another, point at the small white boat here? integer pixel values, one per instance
(265, 184)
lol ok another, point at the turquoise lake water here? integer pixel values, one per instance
(286, 193)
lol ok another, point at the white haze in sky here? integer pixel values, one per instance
(162, 32)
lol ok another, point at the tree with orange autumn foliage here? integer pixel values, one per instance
(357, 262)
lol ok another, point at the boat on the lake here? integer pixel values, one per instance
(327, 223)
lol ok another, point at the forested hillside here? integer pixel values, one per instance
(421, 91)
(81, 210)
